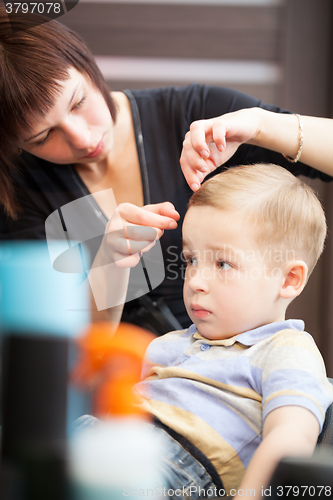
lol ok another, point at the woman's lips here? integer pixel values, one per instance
(96, 151)
(199, 312)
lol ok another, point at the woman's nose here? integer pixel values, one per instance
(78, 134)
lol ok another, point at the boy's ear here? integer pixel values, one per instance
(295, 276)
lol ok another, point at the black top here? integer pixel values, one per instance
(161, 119)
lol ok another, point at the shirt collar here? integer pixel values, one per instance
(254, 336)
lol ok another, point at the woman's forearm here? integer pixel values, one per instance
(210, 143)
(108, 284)
(280, 132)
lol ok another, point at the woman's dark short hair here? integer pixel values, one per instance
(33, 60)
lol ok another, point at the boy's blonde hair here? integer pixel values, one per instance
(285, 211)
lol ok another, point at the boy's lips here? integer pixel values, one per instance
(199, 312)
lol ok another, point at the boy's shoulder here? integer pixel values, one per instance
(292, 350)
(280, 344)
(289, 336)
(294, 338)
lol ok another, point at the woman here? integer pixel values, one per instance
(77, 139)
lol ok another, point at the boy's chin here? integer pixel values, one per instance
(210, 334)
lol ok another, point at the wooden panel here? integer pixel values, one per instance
(267, 93)
(196, 31)
(308, 52)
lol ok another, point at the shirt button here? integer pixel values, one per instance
(205, 347)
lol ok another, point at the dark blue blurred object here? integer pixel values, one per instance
(38, 317)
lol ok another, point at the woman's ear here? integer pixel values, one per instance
(295, 276)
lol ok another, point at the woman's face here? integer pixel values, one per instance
(77, 129)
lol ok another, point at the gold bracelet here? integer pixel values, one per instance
(301, 138)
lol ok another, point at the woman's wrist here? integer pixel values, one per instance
(258, 117)
(279, 132)
(300, 144)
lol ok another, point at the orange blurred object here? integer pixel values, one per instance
(111, 361)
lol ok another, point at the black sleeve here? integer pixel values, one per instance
(30, 224)
(40, 189)
(33, 211)
(203, 101)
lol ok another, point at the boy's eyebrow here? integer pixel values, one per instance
(186, 243)
(43, 131)
(215, 248)
(223, 248)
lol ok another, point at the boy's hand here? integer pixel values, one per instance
(287, 431)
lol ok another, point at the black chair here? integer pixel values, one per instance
(326, 435)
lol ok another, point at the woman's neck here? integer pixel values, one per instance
(123, 130)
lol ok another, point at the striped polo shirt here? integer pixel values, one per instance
(217, 393)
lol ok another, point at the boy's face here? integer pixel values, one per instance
(230, 284)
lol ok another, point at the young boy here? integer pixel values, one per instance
(242, 387)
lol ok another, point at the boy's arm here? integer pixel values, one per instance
(287, 431)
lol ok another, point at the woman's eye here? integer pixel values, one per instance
(42, 141)
(79, 103)
(223, 265)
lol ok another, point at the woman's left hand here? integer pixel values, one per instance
(210, 143)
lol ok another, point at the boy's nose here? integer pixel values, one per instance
(198, 280)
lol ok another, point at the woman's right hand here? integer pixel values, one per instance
(134, 230)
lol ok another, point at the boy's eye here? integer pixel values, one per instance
(190, 261)
(223, 265)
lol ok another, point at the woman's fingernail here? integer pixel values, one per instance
(173, 225)
(195, 186)
(204, 153)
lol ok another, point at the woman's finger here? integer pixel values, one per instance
(151, 215)
(131, 239)
(195, 168)
(126, 262)
(193, 156)
(200, 135)
(192, 176)
(165, 209)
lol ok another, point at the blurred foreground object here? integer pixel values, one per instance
(41, 310)
(111, 360)
(119, 455)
